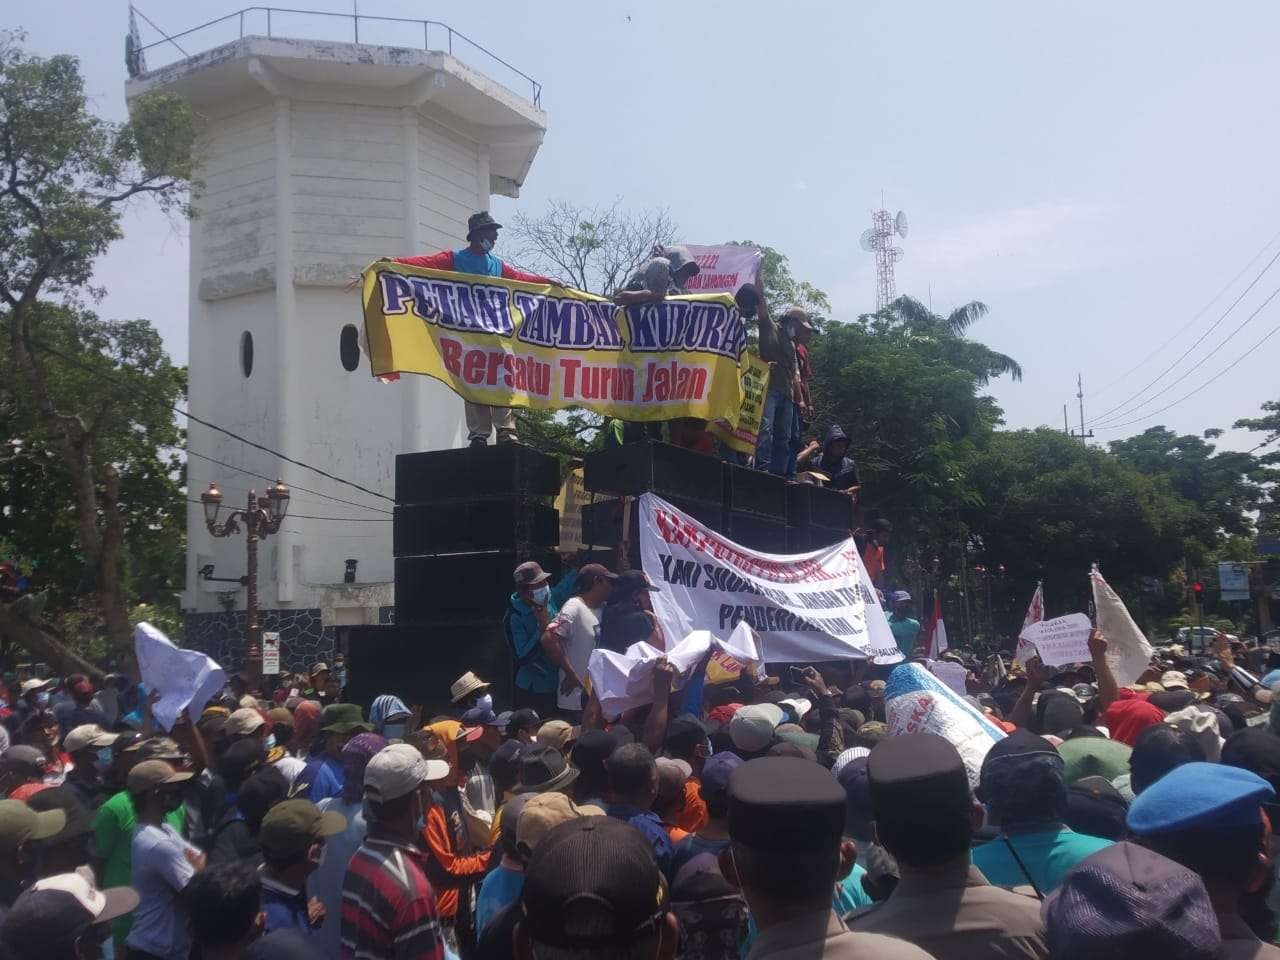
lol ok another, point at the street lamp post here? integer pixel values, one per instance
(259, 522)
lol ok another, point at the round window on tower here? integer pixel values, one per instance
(349, 347)
(246, 353)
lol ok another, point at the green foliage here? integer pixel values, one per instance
(782, 289)
(67, 174)
(125, 411)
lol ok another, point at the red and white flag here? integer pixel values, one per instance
(936, 632)
(1035, 613)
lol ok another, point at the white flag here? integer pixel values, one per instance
(1035, 613)
(1128, 652)
(186, 679)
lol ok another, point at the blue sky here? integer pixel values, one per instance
(1095, 172)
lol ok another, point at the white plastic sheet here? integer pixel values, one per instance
(186, 679)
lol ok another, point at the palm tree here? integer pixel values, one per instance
(919, 322)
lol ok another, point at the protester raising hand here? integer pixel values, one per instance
(813, 680)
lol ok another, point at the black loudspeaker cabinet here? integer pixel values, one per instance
(754, 491)
(460, 586)
(418, 663)
(809, 505)
(498, 524)
(653, 467)
(756, 533)
(504, 470)
(602, 521)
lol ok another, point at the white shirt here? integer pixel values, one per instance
(290, 767)
(160, 872)
(577, 626)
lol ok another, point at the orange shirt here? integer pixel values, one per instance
(873, 560)
(692, 816)
(439, 843)
(675, 833)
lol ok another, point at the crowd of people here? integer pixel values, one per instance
(769, 815)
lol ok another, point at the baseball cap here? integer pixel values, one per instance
(595, 571)
(19, 823)
(398, 769)
(57, 910)
(672, 776)
(1127, 901)
(523, 719)
(542, 813)
(530, 574)
(480, 717)
(157, 748)
(63, 797)
(150, 774)
(88, 735)
(591, 750)
(558, 734)
(1174, 680)
(243, 722)
(29, 686)
(290, 827)
(751, 728)
(716, 770)
(799, 706)
(634, 581)
(685, 732)
(592, 883)
(901, 596)
(25, 759)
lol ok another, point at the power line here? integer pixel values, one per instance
(1147, 416)
(1199, 363)
(308, 516)
(1186, 326)
(292, 486)
(205, 423)
(1124, 403)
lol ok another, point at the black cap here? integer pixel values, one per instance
(591, 750)
(685, 732)
(633, 581)
(523, 719)
(785, 803)
(916, 773)
(593, 882)
(1255, 749)
(505, 762)
(1020, 743)
(241, 759)
(79, 818)
(1096, 808)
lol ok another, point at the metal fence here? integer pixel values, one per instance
(346, 27)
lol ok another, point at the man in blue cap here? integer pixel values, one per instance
(905, 627)
(1209, 818)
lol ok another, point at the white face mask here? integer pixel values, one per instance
(541, 595)
(486, 244)
(485, 702)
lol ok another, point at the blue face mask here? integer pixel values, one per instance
(541, 595)
(271, 741)
(394, 731)
(42, 698)
(103, 760)
(485, 702)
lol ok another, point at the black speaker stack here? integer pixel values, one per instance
(465, 518)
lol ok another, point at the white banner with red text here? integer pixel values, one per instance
(804, 607)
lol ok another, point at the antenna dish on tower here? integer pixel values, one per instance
(895, 254)
(900, 224)
(879, 240)
(868, 240)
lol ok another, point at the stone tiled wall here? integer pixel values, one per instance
(304, 640)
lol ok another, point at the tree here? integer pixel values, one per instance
(595, 249)
(782, 289)
(1269, 423)
(66, 177)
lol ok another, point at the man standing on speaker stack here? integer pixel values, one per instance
(477, 258)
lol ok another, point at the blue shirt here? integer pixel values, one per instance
(323, 777)
(286, 908)
(500, 888)
(537, 674)
(648, 823)
(1047, 854)
(1270, 678)
(905, 630)
(486, 265)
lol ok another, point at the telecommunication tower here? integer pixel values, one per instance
(879, 240)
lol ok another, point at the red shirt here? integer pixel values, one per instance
(444, 261)
(388, 907)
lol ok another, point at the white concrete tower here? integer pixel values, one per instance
(319, 157)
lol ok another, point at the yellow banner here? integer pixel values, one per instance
(741, 434)
(511, 344)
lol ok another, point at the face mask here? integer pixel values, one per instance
(172, 801)
(485, 702)
(42, 698)
(103, 760)
(394, 731)
(316, 854)
(486, 244)
(271, 741)
(541, 595)
(420, 823)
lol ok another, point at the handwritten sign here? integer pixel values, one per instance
(1062, 640)
(185, 679)
(270, 654)
(951, 673)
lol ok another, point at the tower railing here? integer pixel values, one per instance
(385, 31)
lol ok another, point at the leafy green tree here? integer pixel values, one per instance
(66, 177)
(1269, 424)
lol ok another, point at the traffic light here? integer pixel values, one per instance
(1198, 589)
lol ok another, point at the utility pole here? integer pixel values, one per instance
(1084, 437)
(1066, 425)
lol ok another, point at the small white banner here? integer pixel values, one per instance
(1061, 640)
(804, 607)
(723, 269)
(186, 679)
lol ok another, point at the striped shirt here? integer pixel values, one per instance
(388, 908)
